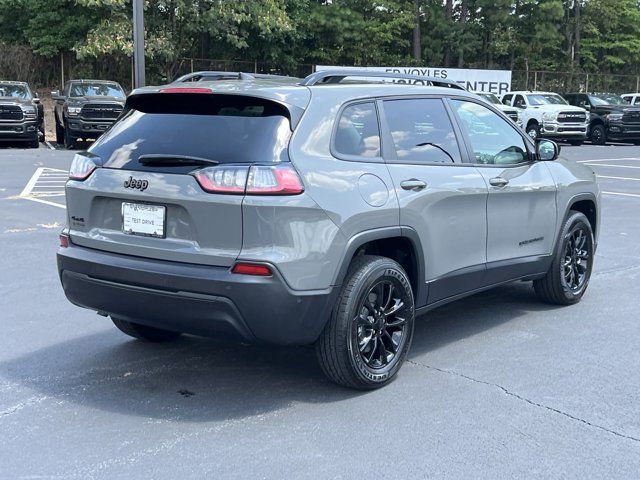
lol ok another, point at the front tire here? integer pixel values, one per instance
(35, 143)
(598, 135)
(59, 134)
(366, 340)
(69, 141)
(144, 332)
(568, 278)
(533, 130)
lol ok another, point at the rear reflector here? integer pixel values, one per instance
(186, 90)
(64, 240)
(252, 269)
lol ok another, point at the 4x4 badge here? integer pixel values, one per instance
(133, 183)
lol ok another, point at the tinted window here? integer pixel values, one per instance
(493, 139)
(520, 103)
(96, 90)
(421, 131)
(507, 99)
(358, 132)
(14, 91)
(223, 128)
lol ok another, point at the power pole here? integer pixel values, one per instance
(138, 43)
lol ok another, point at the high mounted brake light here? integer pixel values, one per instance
(186, 90)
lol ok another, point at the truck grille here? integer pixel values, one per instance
(631, 117)
(100, 111)
(512, 114)
(572, 117)
(11, 112)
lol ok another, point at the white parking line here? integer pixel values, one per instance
(610, 165)
(633, 159)
(48, 144)
(619, 178)
(45, 182)
(623, 194)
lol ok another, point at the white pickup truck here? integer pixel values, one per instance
(548, 115)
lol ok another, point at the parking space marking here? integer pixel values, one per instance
(45, 183)
(619, 178)
(611, 165)
(48, 144)
(622, 194)
(634, 159)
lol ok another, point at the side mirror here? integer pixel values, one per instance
(547, 150)
(55, 95)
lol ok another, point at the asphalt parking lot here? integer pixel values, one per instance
(497, 385)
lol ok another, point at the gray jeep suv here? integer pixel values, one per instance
(330, 212)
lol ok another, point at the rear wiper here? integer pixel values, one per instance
(175, 160)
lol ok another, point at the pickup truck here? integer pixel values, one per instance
(611, 118)
(510, 112)
(85, 109)
(548, 115)
(21, 114)
(632, 98)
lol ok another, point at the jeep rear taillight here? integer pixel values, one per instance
(254, 180)
(81, 167)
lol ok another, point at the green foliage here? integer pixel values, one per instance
(597, 35)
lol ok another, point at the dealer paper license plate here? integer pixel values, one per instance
(143, 219)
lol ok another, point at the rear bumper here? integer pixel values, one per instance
(196, 299)
(15, 131)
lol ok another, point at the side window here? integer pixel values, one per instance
(520, 103)
(507, 99)
(358, 132)
(493, 139)
(421, 131)
(571, 99)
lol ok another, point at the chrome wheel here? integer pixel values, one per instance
(577, 258)
(380, 324)
(533, 132)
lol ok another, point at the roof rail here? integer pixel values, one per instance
(222, 75)
(336, 76)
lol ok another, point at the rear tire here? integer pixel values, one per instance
(366, 340)
(144, 332)
(568, 278)
(35, 143)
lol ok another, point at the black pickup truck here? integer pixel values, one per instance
(21, 114)
(611, 117)
(84, 109)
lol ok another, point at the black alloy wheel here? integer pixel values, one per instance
(577, 259)
(379, 327)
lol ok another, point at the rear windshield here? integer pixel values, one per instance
(221, 128)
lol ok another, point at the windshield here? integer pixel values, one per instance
(14, 91)
(491, 98)
(546, 99)
(96, 90)
(606, 99)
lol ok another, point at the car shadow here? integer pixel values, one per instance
(199, 380)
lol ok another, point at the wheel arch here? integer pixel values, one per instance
(401, 244)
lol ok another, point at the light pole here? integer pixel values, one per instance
(138, 43)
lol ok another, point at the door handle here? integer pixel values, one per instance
(498, 182)
(413, 184)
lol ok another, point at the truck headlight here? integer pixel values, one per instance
(614, 117)
(73, 110)
(29, 111)
(550, 116)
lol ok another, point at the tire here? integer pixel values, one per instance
(556, 286)
(576, 143)
(69, 141)
(636, 142)
(35, 143)
(598, 135)
(144, 332)
(59, 134)
(533, 130)
(352, 349)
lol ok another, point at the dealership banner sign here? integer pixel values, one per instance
(492, 81)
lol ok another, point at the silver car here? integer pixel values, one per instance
(332, 212)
